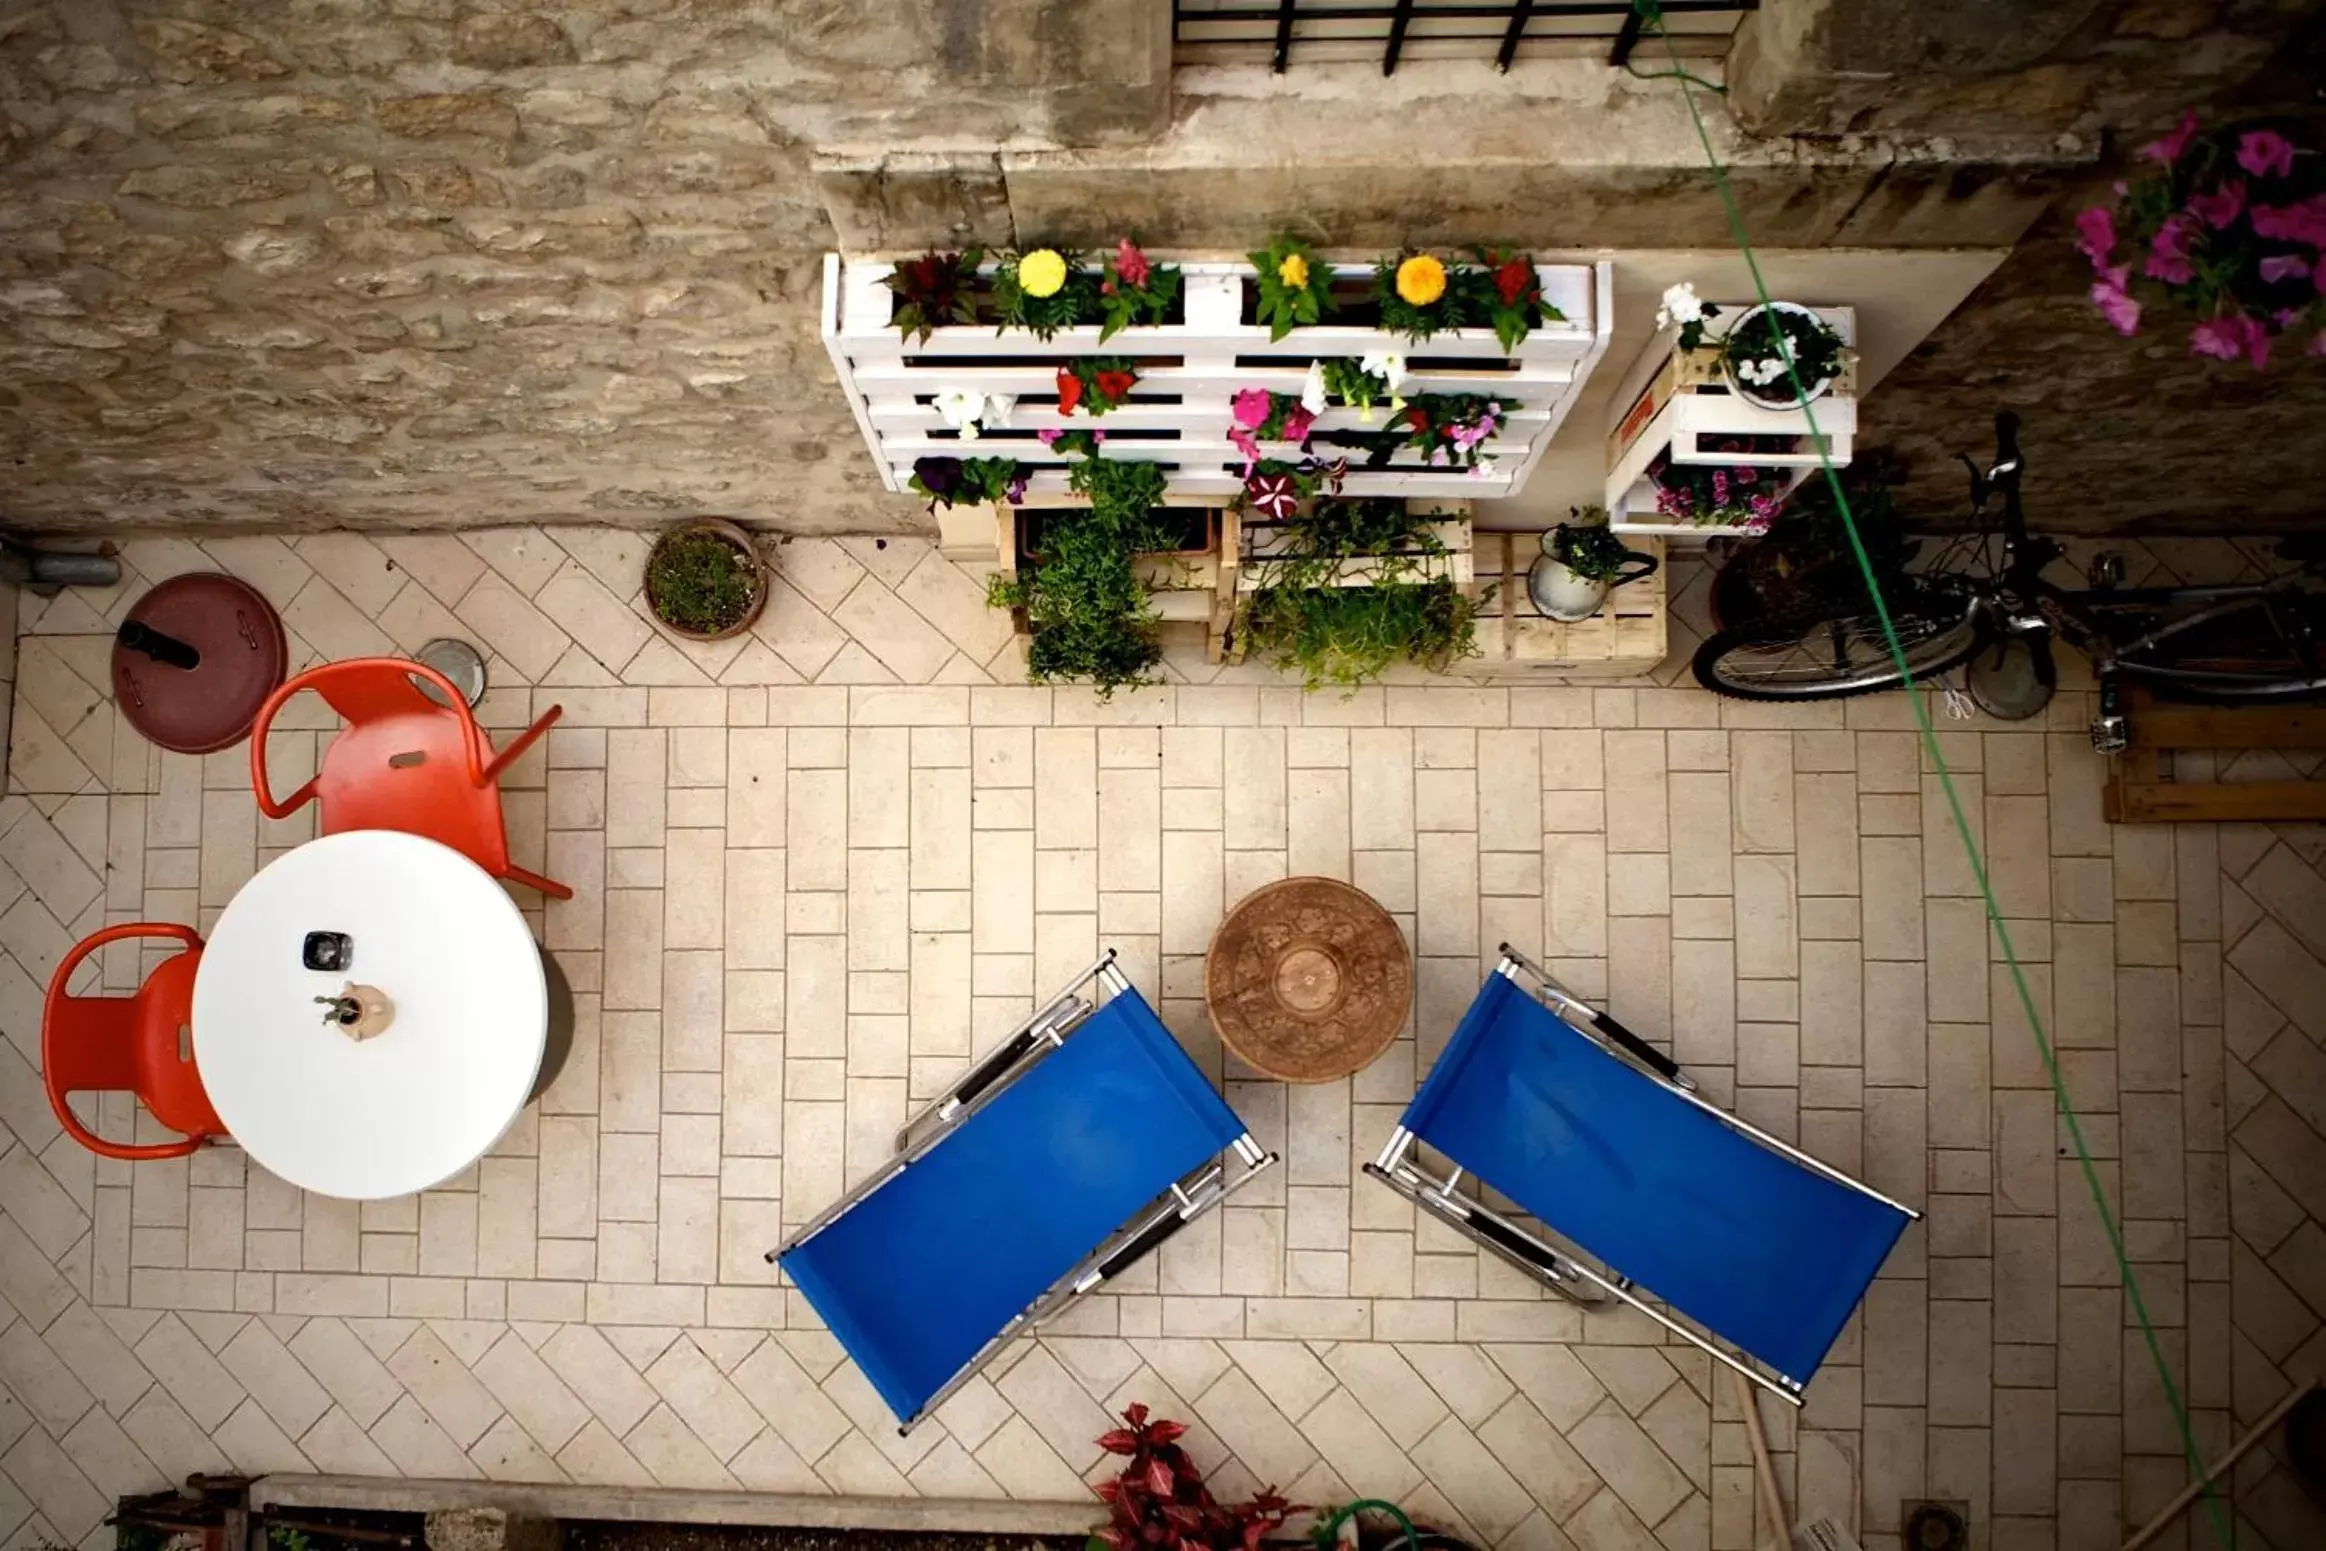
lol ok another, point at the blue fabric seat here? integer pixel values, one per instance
(928, 1267)
(1751, 1243)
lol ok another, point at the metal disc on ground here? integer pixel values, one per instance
(2010, 680)
(457, 661)
(195, 659)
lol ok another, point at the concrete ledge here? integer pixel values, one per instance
(666, 1505)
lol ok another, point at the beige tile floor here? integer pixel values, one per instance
(818, 867)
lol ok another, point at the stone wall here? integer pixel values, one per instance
(419, 263)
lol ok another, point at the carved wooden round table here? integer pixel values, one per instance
(1307, 979)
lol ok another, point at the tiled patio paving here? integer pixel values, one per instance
(818, 868)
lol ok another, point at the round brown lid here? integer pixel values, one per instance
(235, 643)
(1308, 979)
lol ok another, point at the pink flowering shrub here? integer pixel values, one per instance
(2229, 225)
(1715, 495)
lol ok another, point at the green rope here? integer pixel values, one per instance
(1332, 1526)
(1652, 16)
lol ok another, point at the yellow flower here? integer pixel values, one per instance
(1042, 272)
(1293, 271)
(1421, 280)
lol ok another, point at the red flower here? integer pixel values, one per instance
(1418, 418)
(1130, 263)
(1069, 391)
(1114, 385)
(1513, 280)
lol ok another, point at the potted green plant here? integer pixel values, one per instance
(1805, 560)
(1582, 562)
(705, 580)
(1755, 362)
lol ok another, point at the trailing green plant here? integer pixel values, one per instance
(1088, 612)
(1588, 546)
(934, 290)
(1292, 288)
(1134, 290)
(977, 481)
(1043, 290)
(1300, 620)
(700, 581)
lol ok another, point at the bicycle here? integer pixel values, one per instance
(2232, 644)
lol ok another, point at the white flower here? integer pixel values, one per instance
(1312, 389)
(998, 408)
(959, 407)
(1388, 365)
(1482, 469)
(970, 431)
(1680, 306)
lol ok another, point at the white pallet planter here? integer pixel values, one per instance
(1179, 413)
(1681, 400)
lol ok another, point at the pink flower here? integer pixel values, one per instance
(1251, 408)
(2168, 150)
(2284, 267)
(2265, 153)
(1049, 435)
(2220, 207)
(2108, 294)
(2228, 338)
(1244, 442)
(2303, 222)
(2096, 235)
(1130, 263)
(1098, 436)
(2168, 252)
(1296, 424)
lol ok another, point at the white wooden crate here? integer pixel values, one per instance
(1677, 401)
(1179, 414)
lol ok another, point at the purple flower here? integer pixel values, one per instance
(2284, 267)
(1049, 435)
(1438, 458)
(1098, 436)
(2108, 294)
(1719, 487)
(1746, 474)
(2168, 149)
(2220, 207)
(2096, 235)
(1015, 491)
(2168, 252)
(2265, 153)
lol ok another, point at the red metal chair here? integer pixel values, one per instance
(403, 761)
(138, 1044)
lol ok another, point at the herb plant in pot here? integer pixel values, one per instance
(1755, 360)
(705, 580)
(1582, 562)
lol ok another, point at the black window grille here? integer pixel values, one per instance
(1209, 30)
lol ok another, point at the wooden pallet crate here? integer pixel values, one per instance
(1629, 635)
(1184, 585)
(1179, 413)
(2139, 791)
(1680, 400)
(1248, 544)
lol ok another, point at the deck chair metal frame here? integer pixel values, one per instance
(1007, 1064)
(1539, 1253)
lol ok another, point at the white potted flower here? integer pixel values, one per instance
(1755, 351)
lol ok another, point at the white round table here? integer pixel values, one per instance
(411, 1106)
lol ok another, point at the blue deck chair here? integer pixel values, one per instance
(1081, 1143)
(1598, 1137)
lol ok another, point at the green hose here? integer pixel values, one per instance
(1333, 1525)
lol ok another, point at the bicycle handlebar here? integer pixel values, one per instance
(2007, 441)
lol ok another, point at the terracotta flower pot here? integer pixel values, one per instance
(736, 537)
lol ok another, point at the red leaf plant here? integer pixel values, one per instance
(1159, 1500)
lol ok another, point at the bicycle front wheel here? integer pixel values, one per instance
(1830, 656)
